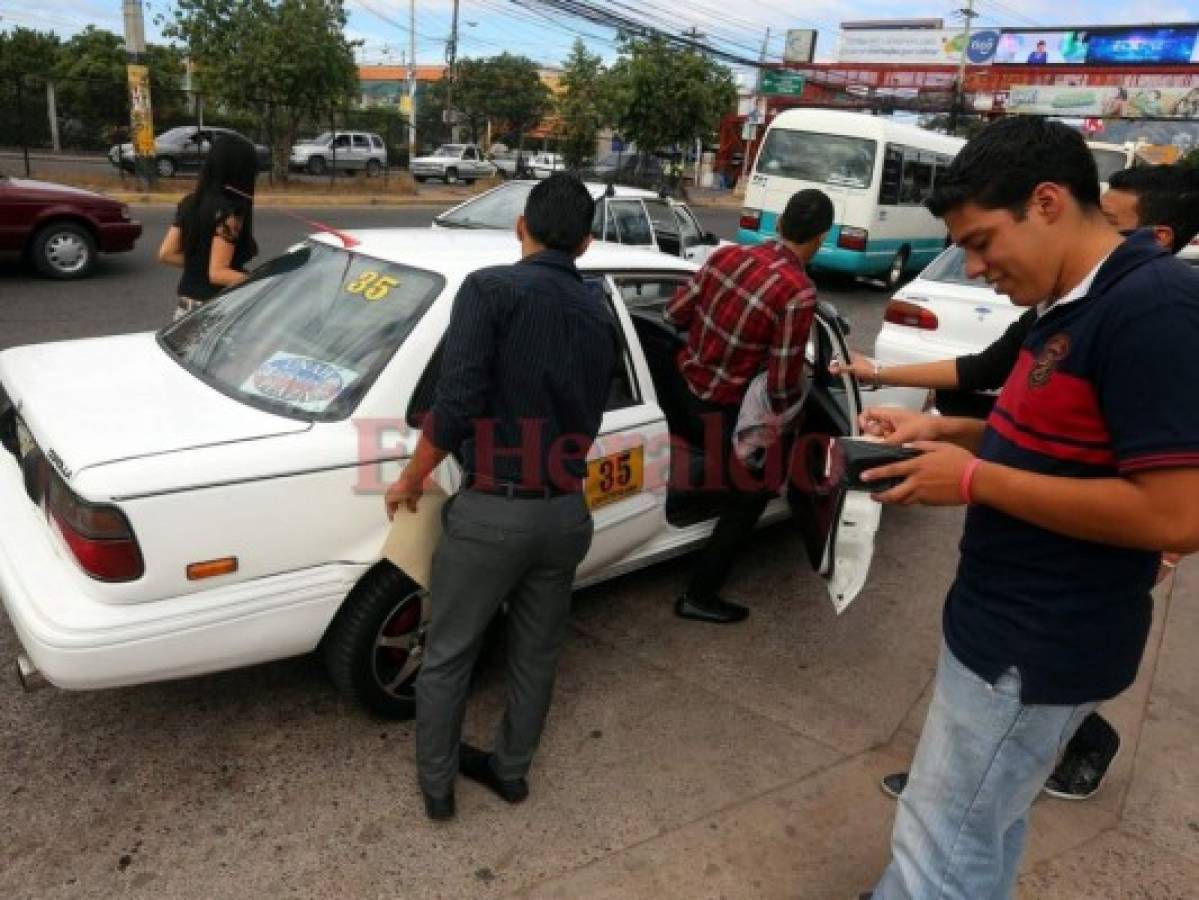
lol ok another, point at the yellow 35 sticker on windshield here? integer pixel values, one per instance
(372, 285)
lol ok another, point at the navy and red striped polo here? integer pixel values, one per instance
(1104, 386)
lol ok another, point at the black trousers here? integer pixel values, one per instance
(743, 495)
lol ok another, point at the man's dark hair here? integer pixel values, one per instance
(809, 213)
(559, 211)
(1001, 167)
(1166, 195)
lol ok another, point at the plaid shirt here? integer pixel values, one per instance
(747, 309)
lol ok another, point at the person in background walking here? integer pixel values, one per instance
(212, 237)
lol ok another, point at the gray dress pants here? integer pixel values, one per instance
(494, 548)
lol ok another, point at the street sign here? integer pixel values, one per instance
(617, 144)
(778, 82)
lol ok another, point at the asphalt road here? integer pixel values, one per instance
(264, 782)
(132, 292)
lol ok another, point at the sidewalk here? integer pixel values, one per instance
(825, 833)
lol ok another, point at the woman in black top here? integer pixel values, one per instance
(212, 236)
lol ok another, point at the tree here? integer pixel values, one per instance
(284, 59)
(659, 95)
(23, 53)
(582, 104)
(1191, 160)
(92, 86)
(473, 93)
(516, 97)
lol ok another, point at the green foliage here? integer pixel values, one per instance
(582, 105)
(281, 58)
(1191, 160)
(660, 95)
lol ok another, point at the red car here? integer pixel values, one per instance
(61, 229)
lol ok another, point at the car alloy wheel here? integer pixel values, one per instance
(375, 646)
(451, 176)
(316, 165)
(165, 167)
(373, 167)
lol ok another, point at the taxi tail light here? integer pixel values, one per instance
(852, 238)
(903, 312)
(751, 219)
(98, 535)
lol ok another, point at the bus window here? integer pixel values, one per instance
(917, 181)
(888, 191)
(820, 158)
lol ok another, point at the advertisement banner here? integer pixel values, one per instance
(1177, 45)
(1105, 102)
(141, 119)
(920, 46)
(800, 46)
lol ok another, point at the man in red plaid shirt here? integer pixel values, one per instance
(747, 310)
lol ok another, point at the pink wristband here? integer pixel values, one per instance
(967, 478)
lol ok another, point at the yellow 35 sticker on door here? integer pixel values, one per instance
(615, 477)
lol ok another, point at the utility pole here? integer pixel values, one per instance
(411, 82)
(695, 35)
(141, 116)
(451, 52)
(959, 87)
(753, 113)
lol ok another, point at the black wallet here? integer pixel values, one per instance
(855, 455)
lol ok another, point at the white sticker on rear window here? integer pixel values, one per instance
(307, 384)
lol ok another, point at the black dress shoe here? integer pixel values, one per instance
(439, 809)
(475, 764)
(713, 610)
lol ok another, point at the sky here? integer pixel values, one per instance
(488, 27)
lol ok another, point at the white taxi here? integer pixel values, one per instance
(210, 496)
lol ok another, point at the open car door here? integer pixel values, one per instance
(838, 525)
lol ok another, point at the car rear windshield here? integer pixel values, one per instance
(820, 158)
(308, 334)
(498, 208)
(950, 267)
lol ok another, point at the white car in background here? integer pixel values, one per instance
(211, 496)
(940, 314)
(545, 164)
(1190, 253)
(623, 215)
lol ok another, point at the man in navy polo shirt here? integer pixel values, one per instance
(1087, 468)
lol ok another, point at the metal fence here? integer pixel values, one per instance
(45, 122)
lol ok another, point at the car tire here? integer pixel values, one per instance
(468, 181)
(373, 168)
(893, 277)
(165, 167)
(384, 606)
(420, 178)
(451, 176)
(64, 250)
(316, 165)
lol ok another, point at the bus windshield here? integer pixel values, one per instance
(821, 158)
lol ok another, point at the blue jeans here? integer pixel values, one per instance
(982, 759)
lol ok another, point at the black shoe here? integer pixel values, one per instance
(439, 809)
(714, 610)
(893, 785)
(1079, 776)
(475, 764)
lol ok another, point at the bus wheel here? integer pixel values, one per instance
(894, 275)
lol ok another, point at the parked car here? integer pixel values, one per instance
(623, 215)
(236, 514)
(453, 163)
(182, 149)
(505, 162)
(940, 314)
(544, 164)
(634, 167)
(61, 229)
(342, 151)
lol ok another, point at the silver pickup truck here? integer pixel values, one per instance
(453, 163)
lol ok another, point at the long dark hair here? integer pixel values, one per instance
(225, 188)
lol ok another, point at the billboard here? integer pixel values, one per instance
(1132, 46)
(919, 46)
(1106, 102)
(800, 46)
(1042, 48)
(1173, 45)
